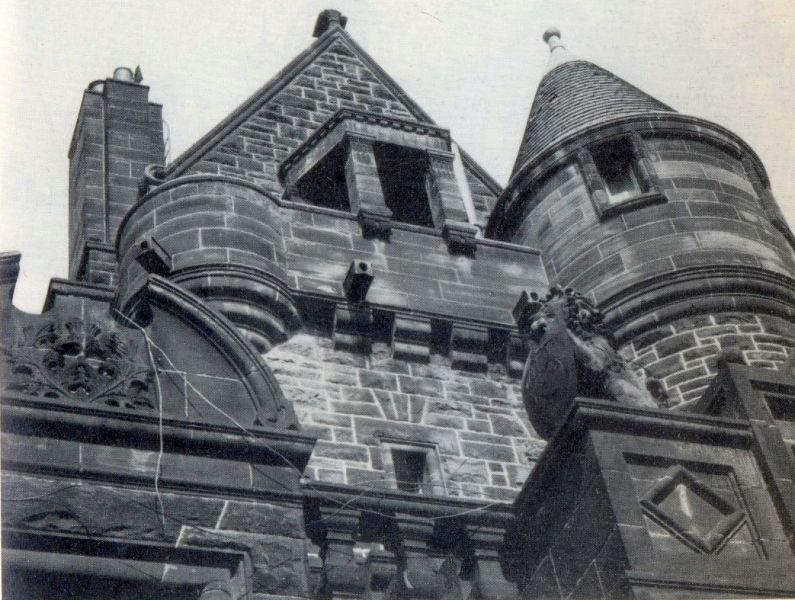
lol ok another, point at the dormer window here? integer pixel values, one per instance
(382, 169)
(618, 175)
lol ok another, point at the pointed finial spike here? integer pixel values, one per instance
(138, 76)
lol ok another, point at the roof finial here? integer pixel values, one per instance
(329, 19)
(552, 37)
(558, 52)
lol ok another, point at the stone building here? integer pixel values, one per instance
(289, 364)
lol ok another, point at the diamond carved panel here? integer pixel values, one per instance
(691, 511)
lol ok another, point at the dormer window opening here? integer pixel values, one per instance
(404, 177)
(617, 166)
(324, 185)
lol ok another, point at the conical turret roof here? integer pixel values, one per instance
(574, 95)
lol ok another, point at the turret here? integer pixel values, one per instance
(665, 221)
(118, 133)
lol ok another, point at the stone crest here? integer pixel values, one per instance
(570, 355)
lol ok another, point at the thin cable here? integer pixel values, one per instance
(151, 343)
(159, 418)
(41, 496)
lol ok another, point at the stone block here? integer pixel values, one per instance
(348, 452)
(256, 517)
(488, 451)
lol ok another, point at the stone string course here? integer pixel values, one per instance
(272, 535)
(350, 401)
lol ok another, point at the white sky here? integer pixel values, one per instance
(472, 64)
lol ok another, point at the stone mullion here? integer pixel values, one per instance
(445, 195)
(361, 175)
(646, 171)
(593, 181)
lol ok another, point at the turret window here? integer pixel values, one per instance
(617, 167)
(619, 176)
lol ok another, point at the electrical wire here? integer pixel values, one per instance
(250, 435)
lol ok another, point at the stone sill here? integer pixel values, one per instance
(635, 203)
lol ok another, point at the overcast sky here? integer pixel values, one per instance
(473, 65)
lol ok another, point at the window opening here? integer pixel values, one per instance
(404, 180)
(325, 185)
(617, 167)
(411, 471)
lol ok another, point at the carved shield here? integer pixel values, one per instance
(549, 382)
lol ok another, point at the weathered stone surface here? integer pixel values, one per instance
(279, 562)
(507, 426)
(255, 517)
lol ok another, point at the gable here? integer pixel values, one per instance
(332, 74)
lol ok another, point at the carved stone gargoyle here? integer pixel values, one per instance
(569, 355)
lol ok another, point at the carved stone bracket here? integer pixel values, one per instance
(488, 580)
(352, 330)
(469, 346)
(411, 338)
(342, 572)
(423, 572)
(460, 237)
(375, 222)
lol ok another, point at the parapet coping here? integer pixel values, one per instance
(288, 204)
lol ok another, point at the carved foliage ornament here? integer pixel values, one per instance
(80, 361)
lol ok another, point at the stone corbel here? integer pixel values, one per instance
(461, 237)
(352, 329)
(342, 572)
(376, 222)
(469, 345)
(380, 569)
(488, 580)
(411, 338)
(423, 572)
